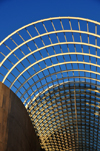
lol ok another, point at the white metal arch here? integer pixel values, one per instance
(55, 56)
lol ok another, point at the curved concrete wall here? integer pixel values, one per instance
(16, 130)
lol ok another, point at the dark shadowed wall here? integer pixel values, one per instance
(16, 130)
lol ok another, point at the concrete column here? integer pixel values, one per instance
(16, 131)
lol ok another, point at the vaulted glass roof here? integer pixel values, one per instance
(53, 66)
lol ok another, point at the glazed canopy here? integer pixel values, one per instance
(53, 66)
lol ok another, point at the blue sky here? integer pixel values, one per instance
(17, 13)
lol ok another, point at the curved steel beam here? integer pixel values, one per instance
(47, 46)
(48, 19)
(53, 86)
(43, 110)
(78, 62)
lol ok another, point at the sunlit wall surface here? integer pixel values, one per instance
(53, 65)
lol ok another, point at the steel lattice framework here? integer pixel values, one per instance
(53, 66)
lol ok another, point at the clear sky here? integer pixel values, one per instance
(17, 13)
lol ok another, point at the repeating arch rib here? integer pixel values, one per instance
(53, 65)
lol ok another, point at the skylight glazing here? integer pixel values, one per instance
(53, 66)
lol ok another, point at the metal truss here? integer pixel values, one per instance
(53, 66)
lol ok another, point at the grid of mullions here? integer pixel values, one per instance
(54, 117)
(51, 52)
